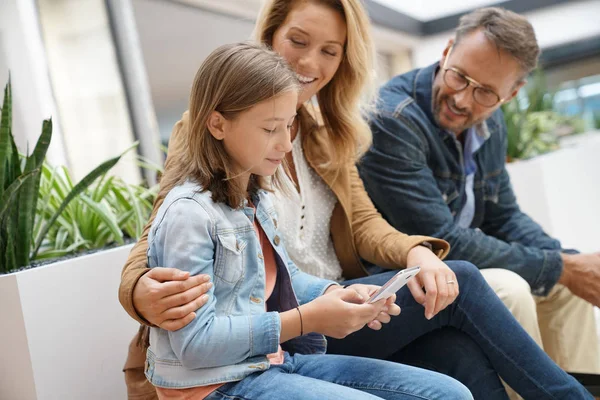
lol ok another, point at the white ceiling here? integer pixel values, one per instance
(426, 10)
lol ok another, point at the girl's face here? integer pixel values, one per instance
(312, 40)
(257, 139)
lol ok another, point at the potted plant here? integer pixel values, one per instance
(597, 120)
(64, 332)
(533, 127)
(556, 185)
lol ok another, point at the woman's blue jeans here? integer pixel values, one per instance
(474, 340)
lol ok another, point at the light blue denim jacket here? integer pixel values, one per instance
(233, 332)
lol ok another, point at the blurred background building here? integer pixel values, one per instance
(112, 72)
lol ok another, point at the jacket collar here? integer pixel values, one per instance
(423, 90)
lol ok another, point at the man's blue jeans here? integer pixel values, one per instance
(332, 377)
(473, 340)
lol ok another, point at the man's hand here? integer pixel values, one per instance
(438, 280)
(581, 274)
(168, 297)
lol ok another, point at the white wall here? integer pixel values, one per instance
(22, 52)
(553, 26)
(175, 40)
(561, 191)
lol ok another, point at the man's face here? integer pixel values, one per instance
(477, 58)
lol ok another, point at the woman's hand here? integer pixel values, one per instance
(169, 297)
(439, 281)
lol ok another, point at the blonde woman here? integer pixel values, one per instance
(242, 106)
(329, 224)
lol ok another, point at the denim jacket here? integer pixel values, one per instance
(414, 174)
(233, 332)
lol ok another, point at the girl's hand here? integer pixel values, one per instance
(384, 317)
(339, 313)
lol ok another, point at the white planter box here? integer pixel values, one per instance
(64, 334)
(561, 191)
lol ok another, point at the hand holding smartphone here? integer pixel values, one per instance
(394, 284)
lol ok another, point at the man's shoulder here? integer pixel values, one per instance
(497, 127)
(397, 92)
(496, 121)
(398, 98)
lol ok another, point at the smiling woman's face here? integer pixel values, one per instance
(312, 40)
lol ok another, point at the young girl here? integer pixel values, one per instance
(219, 220)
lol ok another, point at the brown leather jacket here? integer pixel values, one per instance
(357, 229)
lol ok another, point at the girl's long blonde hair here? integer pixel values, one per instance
(232, 79)
(339, 102)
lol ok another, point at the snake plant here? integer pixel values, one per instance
(22, 230)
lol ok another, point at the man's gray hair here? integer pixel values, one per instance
(509, 31)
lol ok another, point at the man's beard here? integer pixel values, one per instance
(437, 110)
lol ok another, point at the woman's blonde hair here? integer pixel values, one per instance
(232, 79)
(339, 102)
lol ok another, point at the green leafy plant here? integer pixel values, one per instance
(19, 192)
(533, 127)
(597, 120)
(106, 212)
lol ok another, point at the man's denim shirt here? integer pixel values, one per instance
(233, 332)
(415, 176)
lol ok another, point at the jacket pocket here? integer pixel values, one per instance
(229, 262)
(491, 189)
(449, 189)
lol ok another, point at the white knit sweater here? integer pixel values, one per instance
(304, 219)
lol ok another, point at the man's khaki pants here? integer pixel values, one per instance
(561, 323)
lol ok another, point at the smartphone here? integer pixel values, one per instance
(394, 284)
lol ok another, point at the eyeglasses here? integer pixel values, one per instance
(458, 81)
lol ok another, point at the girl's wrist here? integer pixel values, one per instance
(309, 318)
